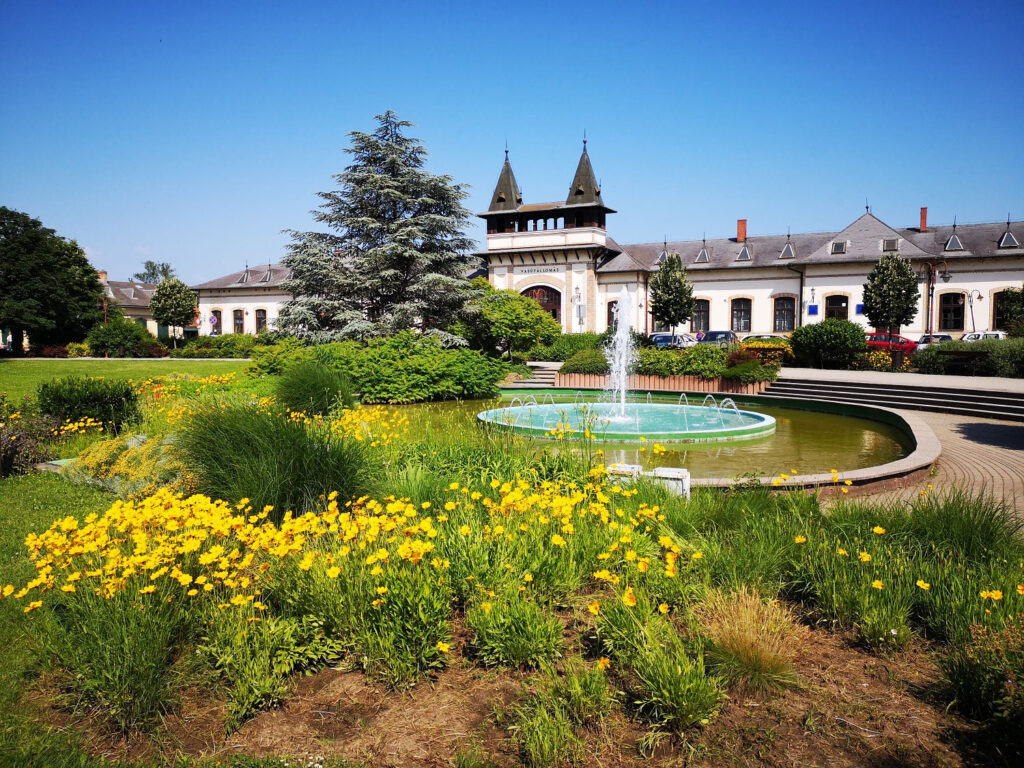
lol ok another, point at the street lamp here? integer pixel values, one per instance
(927, 273)
(579, 307)
(970, 302)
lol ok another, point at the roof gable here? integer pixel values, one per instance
(864, 238)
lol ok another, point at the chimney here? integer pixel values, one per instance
(924, 219)
(741, 230)
(103, 276)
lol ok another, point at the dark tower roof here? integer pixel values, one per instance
(507, 196)
(584, 189)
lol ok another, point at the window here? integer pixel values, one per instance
(837, 307)
(999, 320)
(261, 320)
(744, 254)
(951, 312)
(549, 298)
(1008, 240)
(954, 244)
(785, 314)
(891, 244)
(245, 276)
(239, 319)
(741, 315)
(217, 327)
(787, 252)
(838, 248)
(702, 257)
(266, 276)
(662, 258)
(701, 315)
(613, 309)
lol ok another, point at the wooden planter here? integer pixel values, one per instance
(661, 383)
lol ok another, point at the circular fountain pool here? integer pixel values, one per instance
(633, 421)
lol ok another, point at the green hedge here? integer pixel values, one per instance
(999, 357)
(564, 347)
(704, 361)
(112, 401)
(229, 345)
(586, 361)
(123, 338)
(831, 343)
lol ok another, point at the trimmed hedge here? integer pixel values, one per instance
(831, 343)
(586, 361)
(564, 347)
(121, 337)
(703, 361)
(114, 402)
(999, 357)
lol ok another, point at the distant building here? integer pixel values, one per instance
(561, 255)
(242, 302)
(133, 300)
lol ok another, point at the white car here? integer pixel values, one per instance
(979, 335)
(679, 341)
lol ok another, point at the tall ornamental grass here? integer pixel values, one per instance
(311, 387)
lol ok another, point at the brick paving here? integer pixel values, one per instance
(980, 455)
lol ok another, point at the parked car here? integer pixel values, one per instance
(979, 335)
(891, 341)
(763, 337)
(935, 338)
(719, 338)
(678, 341)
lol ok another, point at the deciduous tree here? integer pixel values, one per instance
(671, 293)
(394, 255)
(154, 272)
(174, 305)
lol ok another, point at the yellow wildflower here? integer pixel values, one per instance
(604, 662)
(594, 607)
(924, 584)
(629, 597)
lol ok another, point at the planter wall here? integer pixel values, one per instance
(662, 383)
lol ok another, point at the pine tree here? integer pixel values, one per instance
(395, 255)
(173, 304)
(891, 293)
(671, 293)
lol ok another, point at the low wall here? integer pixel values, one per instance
(661, 383)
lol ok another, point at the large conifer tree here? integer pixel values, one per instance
(395, 255)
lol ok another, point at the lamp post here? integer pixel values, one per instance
(579, 308)
(970, 303)
(928, 270)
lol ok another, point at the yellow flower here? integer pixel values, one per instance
(842, 551)
(333, 572)
(376, 570)
(604, 662)
(443, 647)
(697, 556)
(663, 608)
(464, 530)
(527, 577)
(924, 584)
(147, 590)
(449, 506)
(876, 584)
(382, 590)
(594, 607)
(557, 540)
(425, 505)
(847, 482)
(845, 490)
(878, 530)
(799, 539)
(1020, 589)
(485, 607)
(68, 588)
(864, 557)
(32, 606)
(192, 592)
(629, 597)
(8, 590)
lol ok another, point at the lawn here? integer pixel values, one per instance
(22, 377)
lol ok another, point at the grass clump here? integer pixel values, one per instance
(986, 674)
(514, 633)
(543, 733)
(311, 387)
(236, 451)
(752, 642)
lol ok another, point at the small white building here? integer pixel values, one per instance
(560, 254)
(242, 302)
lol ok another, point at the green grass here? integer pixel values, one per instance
(22, 377)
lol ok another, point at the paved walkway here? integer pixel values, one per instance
(957, 383)
(977, 455)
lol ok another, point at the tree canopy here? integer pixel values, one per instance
(891, 293)
(395, 253)
(173, 304)
(154, 272)
(505, 321)
(671, 293)
(48, 288)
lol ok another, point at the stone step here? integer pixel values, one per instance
(960, 393)
(977, 400)
(976, 409)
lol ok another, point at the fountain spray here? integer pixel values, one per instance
(620, 352)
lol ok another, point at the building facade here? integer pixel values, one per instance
(133, 300)
(561, 254)
(242, 302)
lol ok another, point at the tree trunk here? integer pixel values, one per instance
(18, 341)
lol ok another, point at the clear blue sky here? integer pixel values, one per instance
(193, 132)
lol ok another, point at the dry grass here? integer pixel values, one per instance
(752, 641)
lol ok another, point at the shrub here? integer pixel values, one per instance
(120, 337)
(273, 359)
(226, 345)
(777, 351)
(986, 675)
(71, 398)
(706, 361)
(23, 443)
(753, 642)
(751, 371)
(564, 347)
(131, 466)
(237, 451)
(78, 349)
(311, 387)
(879, 360)
(831, 343)
(50, 351)
(516, 633)
(586, 361)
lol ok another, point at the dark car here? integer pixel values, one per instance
(719, 338)
(891, 341)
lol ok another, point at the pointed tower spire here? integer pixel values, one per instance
(507, 196)
(584, 189)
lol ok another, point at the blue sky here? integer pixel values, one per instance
(194, 132)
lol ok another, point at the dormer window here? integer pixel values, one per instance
(245, 277)
(890, 244)
(1008, 240)
(954, 244)
(838, 248)
(662, 258)
(702, 257)
(787, 251)
(744, 254)
(266, 276)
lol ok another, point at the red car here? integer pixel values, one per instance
(884, 340)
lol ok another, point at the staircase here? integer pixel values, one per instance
(965, 402)
(543, 377)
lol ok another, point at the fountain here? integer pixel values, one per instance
(609, 417)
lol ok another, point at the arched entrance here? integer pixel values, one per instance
(549, 298)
